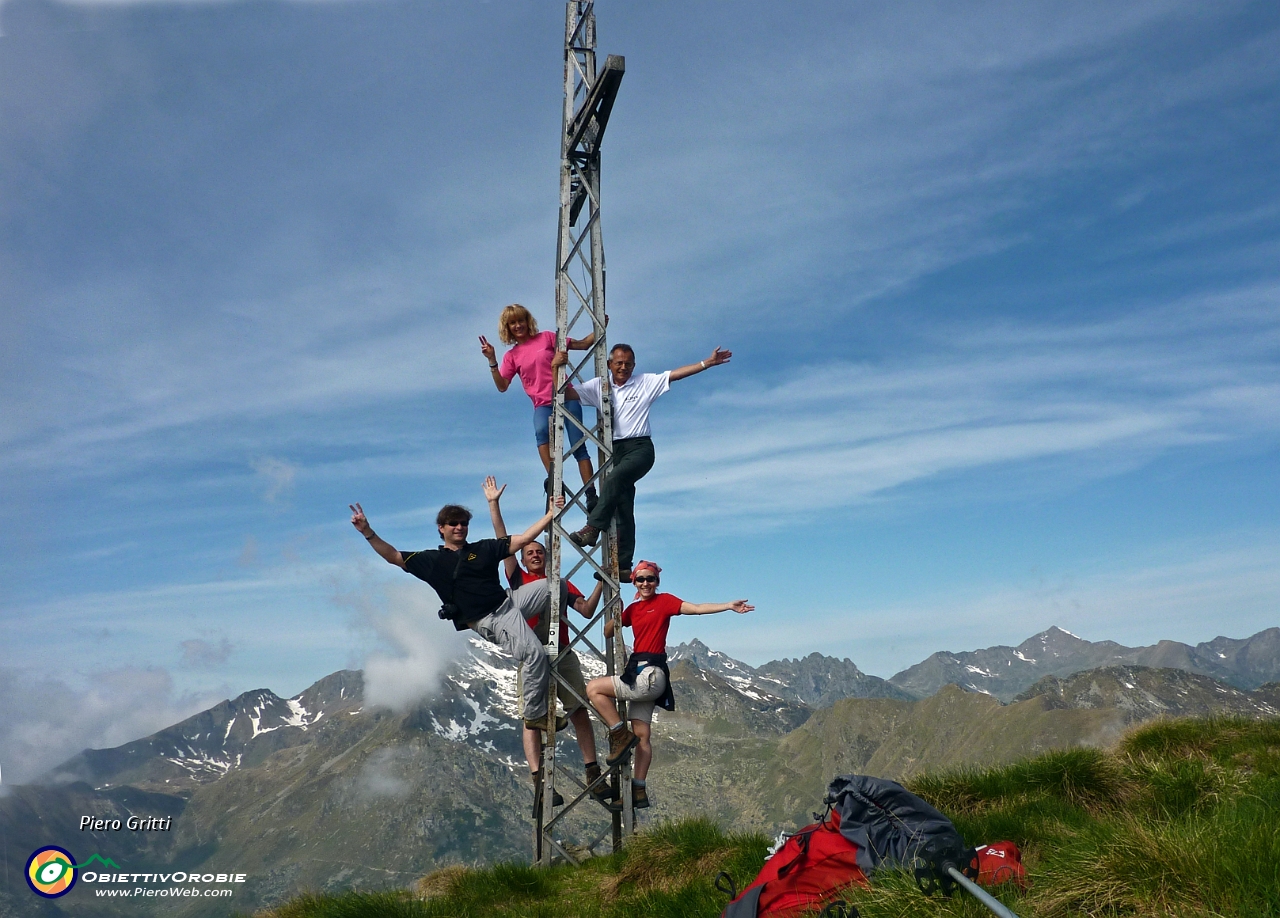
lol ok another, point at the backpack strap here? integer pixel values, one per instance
(722, 880)
(804, 838)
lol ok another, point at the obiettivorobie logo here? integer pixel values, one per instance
(51, 871)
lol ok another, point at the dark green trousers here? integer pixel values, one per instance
(632, 459)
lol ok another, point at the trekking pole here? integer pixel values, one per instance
(942, 870)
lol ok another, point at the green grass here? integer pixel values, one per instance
(1183, 819)
(667, 872)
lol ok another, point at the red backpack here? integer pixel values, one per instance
(809, 870)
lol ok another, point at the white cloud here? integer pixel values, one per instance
(44, 721)
(278, 476)
(417, 647)
(378, 775)
(1109, 395)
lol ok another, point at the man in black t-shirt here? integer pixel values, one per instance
(465, 576)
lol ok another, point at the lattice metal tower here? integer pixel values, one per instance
(580, 309)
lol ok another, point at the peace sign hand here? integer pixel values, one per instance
(359, 521)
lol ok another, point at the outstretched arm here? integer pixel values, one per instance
(493, 494)
(707, 608)
(717, 357)
(531, 534)
(490, 355)
(385, 549)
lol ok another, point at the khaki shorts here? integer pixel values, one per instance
(568, 666)
(650, 685)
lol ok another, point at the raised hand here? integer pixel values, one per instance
(358, 519)
(487, 349)
(718, 357)
(740, 606)
(492, 493)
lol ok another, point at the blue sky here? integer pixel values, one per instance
(1002, 284)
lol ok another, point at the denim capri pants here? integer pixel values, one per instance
(542, 428)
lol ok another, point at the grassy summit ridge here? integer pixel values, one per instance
(1180, 820)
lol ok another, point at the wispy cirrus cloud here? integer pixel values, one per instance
(1107, 396)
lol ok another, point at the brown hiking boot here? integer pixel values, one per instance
(587, 536)
(603, 793)
(621, 742)
(541, 723)
(639, 797)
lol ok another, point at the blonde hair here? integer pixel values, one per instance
(510, 314)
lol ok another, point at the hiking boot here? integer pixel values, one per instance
(585, 537)
(605, 790)
(541, 723)
(621, 742)
(624, 575)
(592, 499)
(639, 797)
(603, 793)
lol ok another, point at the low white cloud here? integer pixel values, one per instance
(417, 647)
(378, 776)
(44, 721)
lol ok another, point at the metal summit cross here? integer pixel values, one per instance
(589, 93)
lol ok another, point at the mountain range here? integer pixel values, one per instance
(1006, 671)
(320, 791)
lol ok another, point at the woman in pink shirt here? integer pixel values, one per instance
(530, 359)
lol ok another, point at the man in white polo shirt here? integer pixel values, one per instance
(632, 445)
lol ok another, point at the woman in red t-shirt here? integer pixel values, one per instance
(530, 359)
(645, 683)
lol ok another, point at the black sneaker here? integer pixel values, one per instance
(592, 499)
(556, 799)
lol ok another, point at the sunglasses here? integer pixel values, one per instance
(463, 523)
(644, 579)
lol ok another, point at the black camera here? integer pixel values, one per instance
(449, 612)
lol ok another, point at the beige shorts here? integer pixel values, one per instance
(568, 666)
(651, 683)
